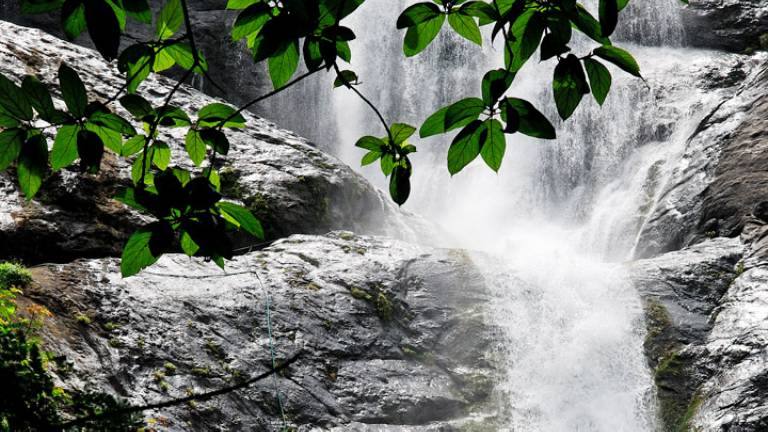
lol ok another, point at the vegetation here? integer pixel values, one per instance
(188, 209)
(30, 401)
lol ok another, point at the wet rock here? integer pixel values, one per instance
(389, 334)
(682, 292)
(733, 25)
(718, 178)
(290, 185)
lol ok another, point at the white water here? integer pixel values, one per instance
(559, 217)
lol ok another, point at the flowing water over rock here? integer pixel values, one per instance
(559, 215)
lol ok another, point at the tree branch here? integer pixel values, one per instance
(179, 401)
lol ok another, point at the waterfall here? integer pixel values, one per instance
(558, 219)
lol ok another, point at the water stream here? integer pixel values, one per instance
(558, 219)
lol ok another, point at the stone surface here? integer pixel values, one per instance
(392, 337)
(708, 331)
(734, 25)
(681, 291)
(289, 184)
(700, 198)
(233, 76)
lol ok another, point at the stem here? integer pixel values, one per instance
(365, 99)
(195, 63)
(268, 95)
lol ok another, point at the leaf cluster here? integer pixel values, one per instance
(526, 26)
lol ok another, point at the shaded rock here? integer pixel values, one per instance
(708, 332)
(290, 185)
(682, 292)
(389, 334)
(715, 181)
(733, 25)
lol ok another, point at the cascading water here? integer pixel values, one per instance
(559, 217)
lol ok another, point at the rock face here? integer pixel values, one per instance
(715, 180)
(388, 334)
(707, 309)
(232, 74)
(290, 185)
(682, 292)
(733, 25)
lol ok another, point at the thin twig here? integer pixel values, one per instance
(179, 401)
(348, 85)
(268, 95)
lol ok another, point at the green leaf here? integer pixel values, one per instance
(73, 18)
(434, 124)
(138, 167)
(552, 46)
(532, 121)
(163, 60)
(39, 97)
(188, 246)
(240, 4)
(127, 196)
(569, 85)
(609, 16)
(587, 24)
(244, 217)
(466, 27)
(417, 14)
(465, 147)
(111, 139)
(620, 58)
(104, 28)
(215, 139)
(90, 148)
(136, 62)
(31, 7)
(171, 116)
(13, 100)
(284, 63)
(493, 144)
(251, 20)
(495, 84)
(371, 143)
(7, 120)
(183, 56)
(418, 37)
(170, 19)
(526, 32)
(73, 91)
(195, 146)
(137, 106)
(401, 132)
(113, 122)
(484, 11)
(133, 145)
(344, 78)
(599, 79)
(64, 150)
(136, 253)
(463, 112)
(369, 158)
(161, 154)
(139, 10)
(11, 141)
(387, 163)
(33, 162)
(215, 113)
(400, 184)
(623, 3)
